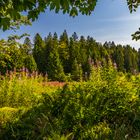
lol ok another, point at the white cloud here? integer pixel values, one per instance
(124, 18)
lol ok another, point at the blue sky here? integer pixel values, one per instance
(110, 21)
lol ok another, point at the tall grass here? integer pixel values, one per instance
(20, 90)
(105, 107)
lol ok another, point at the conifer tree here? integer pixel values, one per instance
(76, 72)
(54, 66)
(64, 51)
(71, 53)
(134, 61)
(27, 46)
(127, 58)
(119, 58)
(30, 63)
(38, 53)
(74, 36)
(28, 59)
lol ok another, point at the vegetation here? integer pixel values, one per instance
(105, 107)
(98, 97)
(96, 93)
(14, 13)
(65, 58)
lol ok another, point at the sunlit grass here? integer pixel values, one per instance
(105, 107)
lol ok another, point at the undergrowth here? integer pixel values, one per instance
(107, 107)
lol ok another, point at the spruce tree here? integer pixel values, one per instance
(64, 51)
(30, 63)
(27, 46)
(119, 58)
(38, 53)
(54, 66)
(77, 73)
(128, 58)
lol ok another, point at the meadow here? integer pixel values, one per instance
(105, 107)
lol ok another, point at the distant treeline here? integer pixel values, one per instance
(66, 58)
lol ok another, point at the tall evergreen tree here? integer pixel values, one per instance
(119, 58)
(28, 59)
(64, 51)
(54, 66)
(128, 58)
(75, 36)
(64, 37)
(27, 46)
(38, 53)
(77, 73)
(30, 63)
(72, 54)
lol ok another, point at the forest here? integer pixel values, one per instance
(65, 58)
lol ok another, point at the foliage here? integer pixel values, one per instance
(54, 68)
(65, 58)
(136, 35)
(38, 53)
(14, 13)
(15, 56)
(74, 55)
(133, 5)
(20, 90)
(106, 107)
(76, 71)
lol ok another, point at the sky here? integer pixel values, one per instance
(110, 21)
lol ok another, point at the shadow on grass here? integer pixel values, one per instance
(67, 112)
